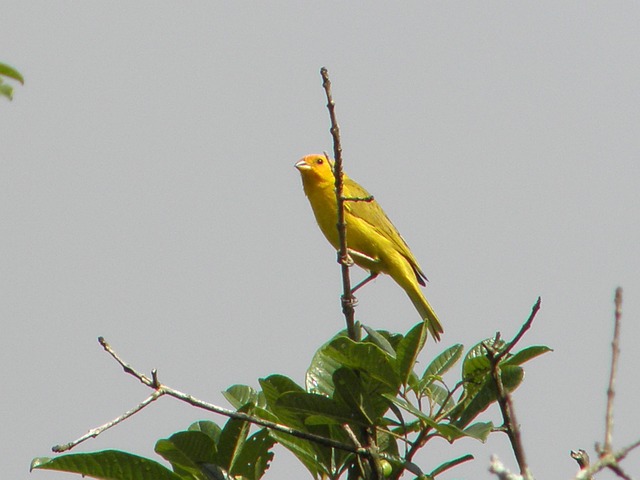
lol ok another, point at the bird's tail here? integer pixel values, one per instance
(426, 311)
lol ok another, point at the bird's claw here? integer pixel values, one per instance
(349, 301)
(345, 260)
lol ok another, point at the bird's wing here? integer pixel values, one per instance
(372, 214)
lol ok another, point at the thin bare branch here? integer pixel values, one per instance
(348, 300)
(160, 390)
(607, 460)
(510, 421)
(359, 199)
(496, 467)
(526, 326)
(505, 402)
(615, 353)
(94, 432)
(582, 457)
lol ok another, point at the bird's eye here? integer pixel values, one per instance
(319, 161)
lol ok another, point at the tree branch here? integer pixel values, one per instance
(526, 326)
(348, 299)
(160, 390)
(94, 432)
(504, 398)
(608, 460)
(502, 472)
(615, 353)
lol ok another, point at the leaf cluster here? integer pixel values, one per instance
(6, 90)
(366, 396)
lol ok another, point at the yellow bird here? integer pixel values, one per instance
(373, 242)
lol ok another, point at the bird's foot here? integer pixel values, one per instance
(345, 260)
(349, 301)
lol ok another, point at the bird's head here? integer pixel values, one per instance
(316, 168)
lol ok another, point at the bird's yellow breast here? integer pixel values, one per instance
(361, 236)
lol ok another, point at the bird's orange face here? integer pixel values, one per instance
(315, 167)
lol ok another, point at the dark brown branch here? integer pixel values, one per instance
(510, 421)
(504, 398)
(526, 326)
(348, 300)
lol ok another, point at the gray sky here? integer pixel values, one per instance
(147, 194)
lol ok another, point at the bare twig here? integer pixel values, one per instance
(501, 471)
(160, 390)
(348, 300)
(504, 398)
(359, 199)
(526, 326)
(423, 436)
(510, 421)
(94, 432)
(608, 460)
(615, 353)
(582, 457)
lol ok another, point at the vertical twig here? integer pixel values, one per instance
(510, 422)
(615, 353)
(504, 398)
(348, 300)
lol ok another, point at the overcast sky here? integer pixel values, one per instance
(147, 194)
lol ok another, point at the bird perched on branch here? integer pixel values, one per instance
(373, 242)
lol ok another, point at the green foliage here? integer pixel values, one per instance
(354, 393)
(108, 464)
(6, 90)
(203, 452)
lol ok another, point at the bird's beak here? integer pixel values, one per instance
(302, 165)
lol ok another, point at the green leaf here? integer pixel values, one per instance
(448, 431)
(6, 90)
(319, 378)
(275, 385)
(253, 461)
(10, 72)
(482, 395)
(479, 430)
(209, 428)
(231, 440)
(187, 451)
(527, 354)
(304, 451)
(317, 409)
(439, 395)
(476, 363)
(350, 391)
(239, 395)
(450, 464)
(378, 338)
(408, 350)
(107, 465)
(366, 357)
(441, 364)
